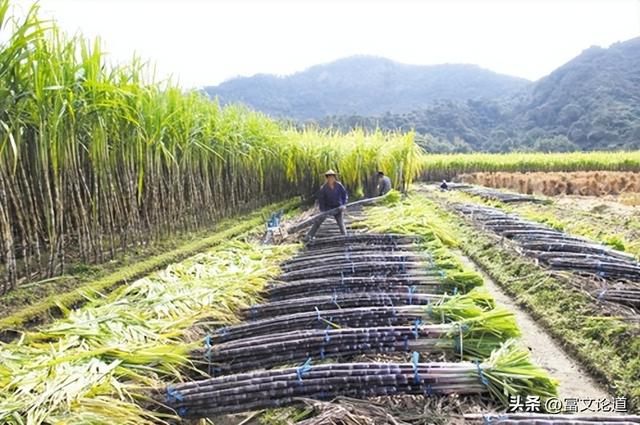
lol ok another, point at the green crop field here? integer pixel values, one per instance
(447, 166)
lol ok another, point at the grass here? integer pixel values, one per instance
(58, 304)
(606, 346)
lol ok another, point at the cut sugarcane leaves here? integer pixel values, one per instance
(71, 370)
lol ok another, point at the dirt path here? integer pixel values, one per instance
(545, 351)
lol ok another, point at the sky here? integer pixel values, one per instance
(201, 42)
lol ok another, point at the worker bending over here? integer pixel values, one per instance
(384, 184)
(332, 195)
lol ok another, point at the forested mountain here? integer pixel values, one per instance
(594, 99)
(591, 102)
(364, 85)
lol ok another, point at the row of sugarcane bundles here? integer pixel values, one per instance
(499, 195)
(560, 251)
(348, 296)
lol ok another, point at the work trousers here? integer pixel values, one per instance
(318, 223)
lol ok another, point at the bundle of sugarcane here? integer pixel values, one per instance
(534, 234)
(476, 337)
(363, 238)
(449, 283)
(507, 372)
(498, 195)
(368, 268)
(352, 249)
(567, 246)
(546, 256)
(623, 294)
(350, 258)
(327, 286)
(601, 268)
(450, 309)
(338, 300)
(550, 419)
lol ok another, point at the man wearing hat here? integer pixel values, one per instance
(331, 195)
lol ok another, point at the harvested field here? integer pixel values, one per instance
(560, 251)
(596, 183)
(425, 321)
(603, 334)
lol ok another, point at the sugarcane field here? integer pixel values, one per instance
(356, 242)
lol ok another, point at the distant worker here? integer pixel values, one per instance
(444, 185)
(331, 195)
(384, 184)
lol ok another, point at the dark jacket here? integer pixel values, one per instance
(332, 198)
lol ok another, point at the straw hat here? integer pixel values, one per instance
(330, 172)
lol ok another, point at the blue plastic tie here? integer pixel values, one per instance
(318, 313)
(415, 357)
(601, 294)
(483, 378)
(411, 289)
(322, 352)
(224, 330)
(455, 290)
(173, 395)
(300, 371)
(416, 327)
(406, 343)
(429, 390)
(327, 336)
(182, 411)
(208, 346)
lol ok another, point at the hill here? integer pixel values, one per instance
(590, 103)
(364, 85)
(594, 100)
